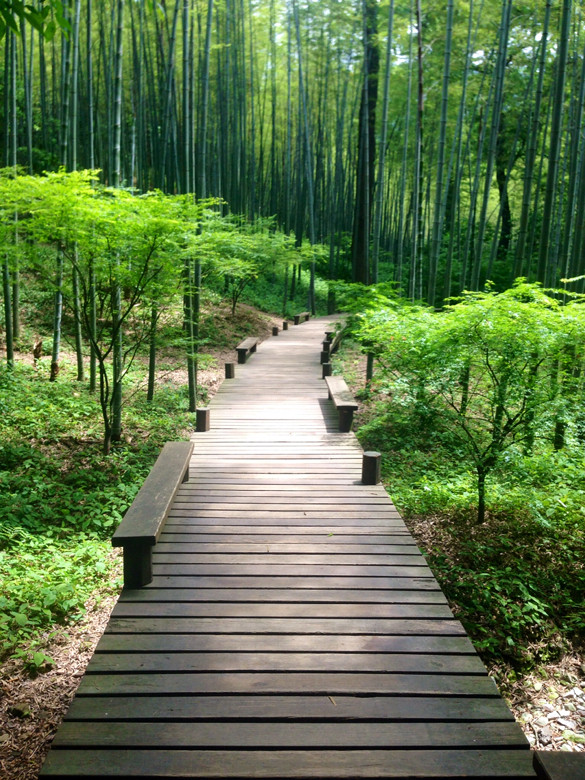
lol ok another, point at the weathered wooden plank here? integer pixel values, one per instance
(270, 595)
(243, 625)
(304, 611)
(315, 559)
(280, 708)
(392, 663)
(559, 765)
(285, 643)
(362, 534)
(291, 735)
(292, 541)
(269, 570)
(315, 683)
(471, 764)
(191, 547)
(301, 581)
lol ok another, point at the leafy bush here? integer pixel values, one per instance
(46, 583)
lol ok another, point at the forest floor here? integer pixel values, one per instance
(31, 708)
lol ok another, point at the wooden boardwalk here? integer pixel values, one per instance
(292, 628)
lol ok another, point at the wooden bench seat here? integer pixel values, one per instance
(302, 317)
(246, 347)
(558, 765)
(143, 522)
(344, 401)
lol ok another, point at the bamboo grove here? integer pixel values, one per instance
(436, 145)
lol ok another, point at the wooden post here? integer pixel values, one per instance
(326, 370)
(371, 468)
(275, 331)
(285, 325)
(137, 564)
(203, 420)
(369, 368)
(230, 370)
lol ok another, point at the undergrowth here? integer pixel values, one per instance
(515, 581)
(61, 498)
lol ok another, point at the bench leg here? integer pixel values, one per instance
(241, 356)
(137, 564)
(345, 420)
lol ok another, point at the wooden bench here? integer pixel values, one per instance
(330, 344)
(343, 400)
(302, 317)
(143, 522)
(246, 348)
(558, 765)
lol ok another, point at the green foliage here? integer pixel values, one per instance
(236, 254)
(46, 582)
(489, 364)
(61, 498)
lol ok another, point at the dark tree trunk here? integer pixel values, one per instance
(365, 179)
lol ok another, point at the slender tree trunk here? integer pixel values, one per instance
(520, 257)
(308, 159)
(498, 92)
(382, 150)
(58, 311)
(8, 314)
(365, 178)
(440, 194)
(543, 274)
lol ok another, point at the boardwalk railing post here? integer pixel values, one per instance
(275, 331)
(326, 370)
(203, 420)
(369, 368)
(285, 325)
(230, 370)
(371, 468)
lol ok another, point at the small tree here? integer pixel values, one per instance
(239, 255)
(114, 242)
(485, 363)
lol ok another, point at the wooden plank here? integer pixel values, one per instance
(184, 547)
(392, 663)
(315, 683)
(277, 611)
(559, 765)
(296, 541)
(304, 708)
(282, 569)
(315, 559)
(243, 625)
(285, 643)
(429, 764)
(271, 595)
(291, 735)
(299, 580)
